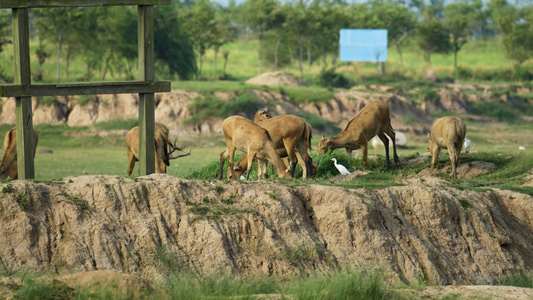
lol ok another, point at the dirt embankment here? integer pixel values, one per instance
(414, 232)
(172, 108)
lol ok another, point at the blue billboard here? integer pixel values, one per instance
(365, 45)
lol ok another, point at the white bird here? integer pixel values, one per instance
(467, 144)
(521, 148)
(341, 168)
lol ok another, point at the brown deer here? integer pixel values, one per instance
(373, 119)
(164, 148)
(8, 164)
(447, 132)
(246, 136)
(291, 136)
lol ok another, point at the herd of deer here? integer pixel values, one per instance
(269, 139)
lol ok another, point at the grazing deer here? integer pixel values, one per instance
(8, 164)
(291, 136)
(447, 132)
(373, 119)
(246, 136)
(163, 154)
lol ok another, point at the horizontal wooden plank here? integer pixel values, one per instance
(67, 89)
(67, 3)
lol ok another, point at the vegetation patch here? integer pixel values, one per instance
(209, 107)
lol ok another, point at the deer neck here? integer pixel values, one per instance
(342, 140)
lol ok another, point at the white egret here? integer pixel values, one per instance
(467, 144)
(341, 168)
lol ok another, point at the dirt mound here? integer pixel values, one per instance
(464, 170)
(470, 292)
(92, 223)
(277, 78)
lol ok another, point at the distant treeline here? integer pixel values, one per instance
(299, 31)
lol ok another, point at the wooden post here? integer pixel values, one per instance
(146, 100)
(21, 45)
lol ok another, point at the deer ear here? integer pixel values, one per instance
(323, 137)
(236, 168)
(429, 135)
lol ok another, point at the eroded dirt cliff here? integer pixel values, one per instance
(153, 223)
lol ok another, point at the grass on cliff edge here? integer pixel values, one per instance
(349, 284)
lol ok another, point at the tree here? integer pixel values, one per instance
(458, 19)
(397, 19)
(298, 24)
(516, 27)
(173, 46)
(56, 26)
(5, 38)
(259, 15)
(201, 25)
(432, 37)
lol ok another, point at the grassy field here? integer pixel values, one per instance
(243, 63)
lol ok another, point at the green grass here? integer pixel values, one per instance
(186, 284)
(518, 278)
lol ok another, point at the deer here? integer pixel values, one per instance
(292, 137)
(8, 164)
(164, 148)
(447, 132)
(246, 136)
(372, 120)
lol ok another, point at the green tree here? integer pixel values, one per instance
(201, 25)
(516, 26)
(432, 37)
(259, 16)
(299, 25)
(5, 38)
(459, 19)
(56, 26)
(173, 47)
(397, 19)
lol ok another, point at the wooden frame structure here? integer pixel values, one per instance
(23, 90)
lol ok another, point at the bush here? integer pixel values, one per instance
(328, 78)
(208, 107)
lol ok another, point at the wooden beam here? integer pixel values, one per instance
(70, 3)
(146, 60)
(67, 89)
(22, 77)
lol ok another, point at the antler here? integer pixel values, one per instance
(173, 148)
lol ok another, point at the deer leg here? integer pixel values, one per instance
(434, 157)
(223, 156)
(131, 161)
(304, 160)
(364, 149)
(385, 141)
(390, 132)
(453, 160)
(251, 156)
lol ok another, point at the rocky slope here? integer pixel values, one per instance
(172, 108)
(158, 222)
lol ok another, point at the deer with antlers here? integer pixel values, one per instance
(164, 148)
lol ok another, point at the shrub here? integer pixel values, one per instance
(205, 108)
(328, 78)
